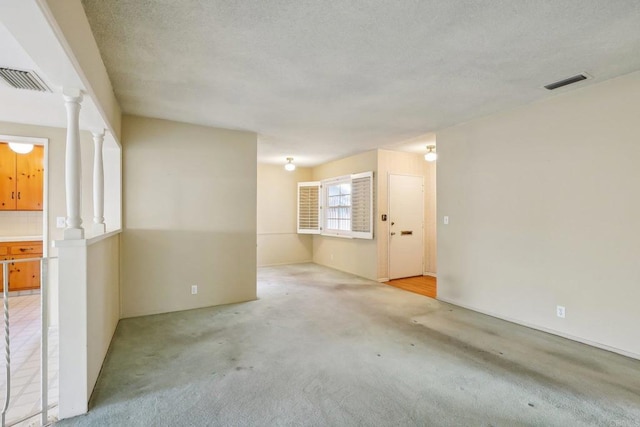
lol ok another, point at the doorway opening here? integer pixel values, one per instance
(24, 234)
(423, 285)
(411, 210)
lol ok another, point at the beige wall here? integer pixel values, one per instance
(278, 241)
(103, 302)
(396, 162)
(357, 256)
(189, 216)
(543, 206)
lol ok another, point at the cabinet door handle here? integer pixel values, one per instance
(13, 195)
(18, 195)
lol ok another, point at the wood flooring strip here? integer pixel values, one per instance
(423, 285)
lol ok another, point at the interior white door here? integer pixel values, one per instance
(406, 219)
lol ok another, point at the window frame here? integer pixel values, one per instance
(326, 231)
(361, 195)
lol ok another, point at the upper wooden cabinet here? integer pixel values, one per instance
(8, 201)
(21, 179)
(30, 175)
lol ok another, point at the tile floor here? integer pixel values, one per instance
(24, 317)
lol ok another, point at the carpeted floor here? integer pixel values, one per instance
(324, 348)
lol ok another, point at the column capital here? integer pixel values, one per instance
(98, 134)
(72, 94)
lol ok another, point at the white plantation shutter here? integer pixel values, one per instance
(362, 205)
(309, 208)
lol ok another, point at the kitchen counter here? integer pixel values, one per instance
(19, 238)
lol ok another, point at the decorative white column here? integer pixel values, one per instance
(98, 184)
(73, 172)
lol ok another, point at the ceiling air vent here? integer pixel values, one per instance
(574, 79)
(23, 79)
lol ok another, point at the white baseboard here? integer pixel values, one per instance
(284, 263)
(428, 273)
(543, 329)
(386, 279)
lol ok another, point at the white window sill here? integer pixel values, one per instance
(341, 236)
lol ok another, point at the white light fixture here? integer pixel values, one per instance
(20, 147)
(290, 166)
(431, 155)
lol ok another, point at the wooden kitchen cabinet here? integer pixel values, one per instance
(21, 179)
(3, 258)
(24, 275)
(7, 178)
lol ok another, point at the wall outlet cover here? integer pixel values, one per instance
(194, 289)
(560, 311)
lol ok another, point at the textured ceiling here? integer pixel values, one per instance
(320, 79)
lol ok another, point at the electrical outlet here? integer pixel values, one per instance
(446, 220)
(560, 311)
(194, 289)
(61, 222)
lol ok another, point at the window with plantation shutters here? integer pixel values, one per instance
(341, 206)
(309, 220)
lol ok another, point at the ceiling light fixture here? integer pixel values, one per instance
(21, 148)
(290, 166)
(431, 155)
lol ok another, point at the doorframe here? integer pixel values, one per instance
(389, 219)
(45, 185)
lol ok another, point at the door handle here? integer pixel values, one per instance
(18, 195)
(13, 195)
(406, 233)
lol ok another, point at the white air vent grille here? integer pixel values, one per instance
(23, 79)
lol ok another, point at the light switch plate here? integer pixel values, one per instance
(446, 220)
(61, 222)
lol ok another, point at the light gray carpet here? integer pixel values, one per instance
(324, 348)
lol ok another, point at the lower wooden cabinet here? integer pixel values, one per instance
(22, 275)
